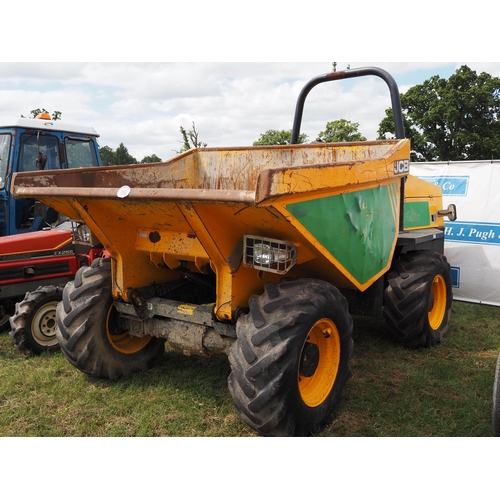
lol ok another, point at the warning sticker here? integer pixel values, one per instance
(186, 309)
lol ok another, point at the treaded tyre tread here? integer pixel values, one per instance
(270, 347)
(33, 324)
(409, 300)
(83, 328)
(496, 401)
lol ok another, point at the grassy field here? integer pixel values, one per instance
(443, 391)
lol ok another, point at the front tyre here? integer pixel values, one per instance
(291, 359)
(90, 331)
(33, 325)
(417, 300)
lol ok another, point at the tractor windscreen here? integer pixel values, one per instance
(80, 153)
(39, 153)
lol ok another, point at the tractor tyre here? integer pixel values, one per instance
(33, 325)
(89, 330)
(496, 401)
(291, 359)
(417, 300)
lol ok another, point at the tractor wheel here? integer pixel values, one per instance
(89, 330)
(33, 325)
(496, 401)
(291, 359)
(417, 300)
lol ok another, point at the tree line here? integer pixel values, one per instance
(121, 156)
(336, 131)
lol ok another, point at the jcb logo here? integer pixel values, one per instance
(401, 167)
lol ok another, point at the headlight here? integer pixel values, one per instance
(267, 254)
(262, 254)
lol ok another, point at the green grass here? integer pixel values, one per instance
(443, 391)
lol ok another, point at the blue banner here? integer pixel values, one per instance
(451, 185)
(484, 233)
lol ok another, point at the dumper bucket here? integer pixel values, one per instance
(337, 204)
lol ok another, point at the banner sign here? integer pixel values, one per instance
(472, 242)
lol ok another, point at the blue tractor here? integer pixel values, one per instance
(39, 144)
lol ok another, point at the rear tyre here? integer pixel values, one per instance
(417, 300)
(33, 325)
(291, 359)
(496, 401)
(89, 330)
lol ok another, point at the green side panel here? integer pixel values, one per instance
(357, 228)
(416, 214)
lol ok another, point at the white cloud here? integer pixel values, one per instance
(144, 104)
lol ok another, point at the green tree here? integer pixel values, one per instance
(56, 115)
(277, 138)
(190, 139)
(451, 120)
(341, 131)
(120, 156)
(107, 155)
(123, 157)
(151, 159)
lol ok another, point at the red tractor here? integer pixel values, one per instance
(38, 265)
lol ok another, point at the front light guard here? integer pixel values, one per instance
(269, 254)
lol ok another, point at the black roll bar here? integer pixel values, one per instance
(351, 73)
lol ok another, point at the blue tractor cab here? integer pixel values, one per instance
(39, 144)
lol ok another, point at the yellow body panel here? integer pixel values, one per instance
(194, 209)
(420, 191)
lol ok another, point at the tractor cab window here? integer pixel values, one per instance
(80, 153)
(5, 140)
(39, 153)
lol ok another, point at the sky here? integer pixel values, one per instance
(144, 104)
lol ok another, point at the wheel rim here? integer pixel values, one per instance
(43, 326)
(319, 362)
(438, 306)
(119, 338)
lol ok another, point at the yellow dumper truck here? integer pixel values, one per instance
(262, 253)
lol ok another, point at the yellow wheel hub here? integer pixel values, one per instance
(121, 340)
(438, 307)
(319, 362)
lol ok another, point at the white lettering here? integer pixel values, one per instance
(482, 235)
(401, 166)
